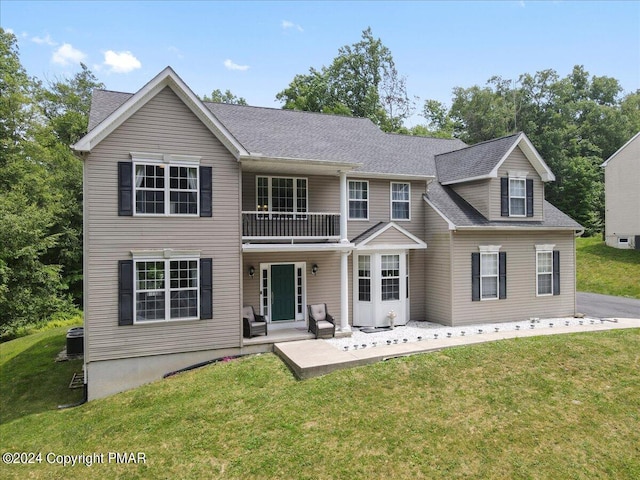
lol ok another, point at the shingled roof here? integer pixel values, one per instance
(277, 133)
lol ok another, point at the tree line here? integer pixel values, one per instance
(575, 123)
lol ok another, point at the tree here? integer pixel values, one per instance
(361, 81)
(31, 287)
(227, 97)
(574, 122)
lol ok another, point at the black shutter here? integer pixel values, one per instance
(206, 192)
(125, 292)
(502, 274)
(556, 272)
(206, 289)
(475, 277)
(529, 184)
(125, 188)
(504, 197)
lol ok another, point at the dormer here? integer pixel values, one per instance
(503, 179)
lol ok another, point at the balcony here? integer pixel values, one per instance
(285, 226)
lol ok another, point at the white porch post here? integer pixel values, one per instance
(344, 292)
(343, 208)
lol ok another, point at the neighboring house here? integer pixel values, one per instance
(622, 196)
(195, 209)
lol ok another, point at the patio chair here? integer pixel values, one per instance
(321, 324)
(252, 324)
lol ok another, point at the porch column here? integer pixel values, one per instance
(343, 208)
(344, 292)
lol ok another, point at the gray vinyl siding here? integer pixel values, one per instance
(622, 195)
(163, 125)
(380, 208)
(324, 287)
(521, 302)
(417, 279)
(438, 283)
(476, 194)
(519, 162)
(323, 192)
(391, 236)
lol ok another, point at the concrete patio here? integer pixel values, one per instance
(312, 358)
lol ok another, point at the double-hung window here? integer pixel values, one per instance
(390, 272)
(358, 200)
(166, 289)
(400, 201)
(166, 184)
(517, 197)
(488, 275)
(547, 270)
(364, 278)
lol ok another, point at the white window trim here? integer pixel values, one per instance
(524, 197)
(359, 277)
(167, 287)
(391, 201)
(398, 277)
(490, 250)
(349, 199)
(546, 249)
(295, 194)
(623, 241)
(146, 158)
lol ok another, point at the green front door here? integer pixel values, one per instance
(283, 292)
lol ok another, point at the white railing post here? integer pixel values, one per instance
(344, 292)
(343, 208)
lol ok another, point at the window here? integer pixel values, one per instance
(166, 290)
(390, 273)
(488, 273)
(488, 276)
(364, 278)
(544, 276)
(400, 201)
(358, 200)
(623, 241)
(166, 189)
(547, 270)
(281, 194)
(517, 197)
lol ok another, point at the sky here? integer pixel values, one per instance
(256, 48)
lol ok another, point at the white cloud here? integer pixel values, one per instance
(47, 40)
(234, 66)
(67, 55)
(10, 30)
(286, 24)
(176, 51)
(121, 62)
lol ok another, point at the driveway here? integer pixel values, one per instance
(606, 306)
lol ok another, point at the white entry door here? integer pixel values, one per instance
(380, 288)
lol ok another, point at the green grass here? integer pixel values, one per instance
(607, 270)
(556, 407)
(32, 381)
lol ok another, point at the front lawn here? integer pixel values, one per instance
(607, 270)
(562, 406)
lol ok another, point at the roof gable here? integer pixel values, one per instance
(387, 236)
(103, 127)
(483, 160)
(608, 160)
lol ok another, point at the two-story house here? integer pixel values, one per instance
(194, 209)
(622, 196)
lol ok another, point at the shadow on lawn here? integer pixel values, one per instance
(33, 382)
